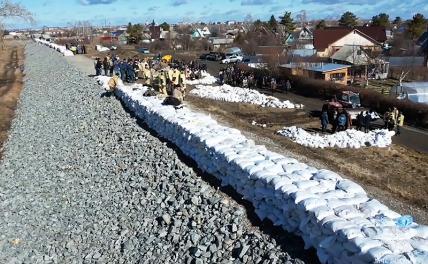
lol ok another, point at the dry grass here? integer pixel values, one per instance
(11, 58)
(394, 173)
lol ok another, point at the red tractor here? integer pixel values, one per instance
(346, 100)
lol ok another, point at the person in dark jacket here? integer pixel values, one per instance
(122, 67)
(367, 121)
(324, 120)
(106, 66)
(98, 67)
(360, 121)
(130, 73)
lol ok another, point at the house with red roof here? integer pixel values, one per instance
(328, 41)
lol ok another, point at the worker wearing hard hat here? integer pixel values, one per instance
(147, 75)
(182, 82)
(162, 83)
(176, 77)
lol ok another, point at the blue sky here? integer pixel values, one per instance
(99, 12)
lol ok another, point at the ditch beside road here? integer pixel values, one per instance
(11, 79)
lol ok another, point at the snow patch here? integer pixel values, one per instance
(232, 94)
(60, 48)
(350, 138)
(206, 79)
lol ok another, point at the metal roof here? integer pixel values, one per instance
(354, 55)
(317, 67)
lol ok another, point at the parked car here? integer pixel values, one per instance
(215, 56)
(233, 59)
(144, 50)
(204, 56)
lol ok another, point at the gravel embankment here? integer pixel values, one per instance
(81, 181)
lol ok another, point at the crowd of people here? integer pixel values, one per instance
(166, 78)
(393, 119)
(341, 120)
(76, 48)
(235, 76)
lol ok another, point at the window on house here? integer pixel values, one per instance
(337, 76)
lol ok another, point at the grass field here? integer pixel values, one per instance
(11, 80)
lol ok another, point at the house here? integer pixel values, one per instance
(352, 55)
(121, 36)
(155, 32)
(218, 43)
(337, 73)
(362, 64)
(407, 61)
(201, 33)
(329, 40)
(270, 50)
(300, 37)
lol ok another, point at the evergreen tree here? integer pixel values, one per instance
(348, 19)
(397, 21)
(417, 26)
(135, 33)
(321, 25)
(165, 26)
(273, 24)
(381, 20)
(287, 23)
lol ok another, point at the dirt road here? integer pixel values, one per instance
(11, 66)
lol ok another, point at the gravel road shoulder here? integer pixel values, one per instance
(82, 182)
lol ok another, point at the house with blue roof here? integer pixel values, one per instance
(337, 73)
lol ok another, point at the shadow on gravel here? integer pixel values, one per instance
(289, 243)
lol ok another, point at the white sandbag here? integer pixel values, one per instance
(393, 259)
(311, 203)
(326, 175)
(389, 233)
(302, 195)
(365, 244)
(290, 168)
(371, 207)
(375, 254)
(421, 231)
(417, 257)
(347, 212)
(278, 182)
(305, 184)
(349, 186)
(350, 233)
(322, 212)
(419, 244)
(398, 246)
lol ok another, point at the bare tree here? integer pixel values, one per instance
(9, 9)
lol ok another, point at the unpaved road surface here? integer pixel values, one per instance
(82, 181)
(11, 62)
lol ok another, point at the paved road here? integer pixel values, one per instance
(410, 137)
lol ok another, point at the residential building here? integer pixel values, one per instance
(337, 73)
(218, 43)
(201, 33)
(329, 40)
(300, 37)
